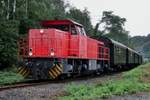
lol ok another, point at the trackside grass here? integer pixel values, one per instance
(133, 81)
(9, 76)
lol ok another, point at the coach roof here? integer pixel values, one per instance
(122, 45)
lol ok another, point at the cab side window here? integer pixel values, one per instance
(73, 30)
(81, 31)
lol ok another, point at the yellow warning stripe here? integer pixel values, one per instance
(60, 65)
(53, 66)
(22, 69)
(58, 68)
(51, 74)
(26, 74)
(19, 69)
(55, 70)
(54, 73)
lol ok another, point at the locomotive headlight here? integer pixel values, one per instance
(52, 53)
(30, 52)
(41, 31)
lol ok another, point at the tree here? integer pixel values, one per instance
(8, 43)
(45, 9)
(112, 23)
(96, 34)
(7, 9)
(32, 9)
(120, 37)
(114, 27)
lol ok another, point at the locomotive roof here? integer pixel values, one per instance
(55, 22)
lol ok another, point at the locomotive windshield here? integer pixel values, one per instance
(60, 27)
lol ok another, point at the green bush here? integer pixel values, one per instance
(9, 77)
(8, 42)
(137, 73)
(130, 83)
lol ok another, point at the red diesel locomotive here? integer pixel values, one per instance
(61, 48)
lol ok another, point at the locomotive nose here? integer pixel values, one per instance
(45, 69)
(39, 70)
(39, 73)
(44, 72)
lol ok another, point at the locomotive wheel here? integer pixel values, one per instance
(55, 71)
(23, 71)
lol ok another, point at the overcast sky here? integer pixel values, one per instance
(135, 11)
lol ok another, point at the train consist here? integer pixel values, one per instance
(62, 48)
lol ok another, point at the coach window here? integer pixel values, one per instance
(73, 30)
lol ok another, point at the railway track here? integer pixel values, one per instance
(45, 82)
(21, 85)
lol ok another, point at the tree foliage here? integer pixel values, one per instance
(113, 27)
(142, 44)
(46, 9)
(8, 43)
(32, 9)
(113, 23)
